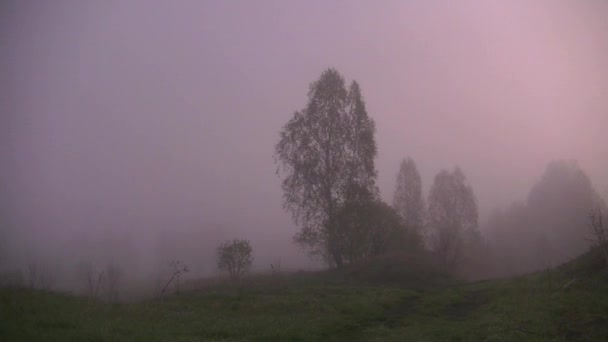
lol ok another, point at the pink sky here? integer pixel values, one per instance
(144, 114)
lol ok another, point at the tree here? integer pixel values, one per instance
(452, 217)
(388, 233)
(324, 150)
(177, 269)
(510, 243)
(94, 278)
(235, 257)
(114, 274)
(558, 205)
(354, 225)
(3, 244)
(550, 228)
(368, 227)
(407, 200)
(600, 233)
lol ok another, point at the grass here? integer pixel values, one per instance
(318, 307)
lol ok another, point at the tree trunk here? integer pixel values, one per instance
(338, 259)
(334, 251)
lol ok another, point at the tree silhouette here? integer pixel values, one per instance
(235, 257)
(407, 200)
(452, 216)
(324, 150)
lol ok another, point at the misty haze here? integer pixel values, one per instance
(304, 170)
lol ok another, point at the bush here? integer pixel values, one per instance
(235, 257)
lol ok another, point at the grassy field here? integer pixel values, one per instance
(566, 304)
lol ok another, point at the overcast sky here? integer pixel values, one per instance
(149, 115)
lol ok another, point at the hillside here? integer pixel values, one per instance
(569, 303)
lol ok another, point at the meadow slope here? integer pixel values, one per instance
(565, 304)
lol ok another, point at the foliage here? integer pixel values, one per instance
(324, 150)
(599, 231)
(557, 208)
(235, 257)
(408, 200)
(551, 227)
(368, 227)
(452, 217)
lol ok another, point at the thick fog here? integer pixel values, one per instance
(143, 131)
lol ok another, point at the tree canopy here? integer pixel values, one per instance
(407, 200)
(452, 216)
(235, 257)
(368, 227)
(551, 227)
(323, 151)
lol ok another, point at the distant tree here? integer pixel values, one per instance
(599, 231)
(32, 274)
(235, 257)
(3, 242)
(368, 227)
(4, 235)
(407, 200)
(510, 240)
(322, 151)
(275, 266)
(38, 274)
(388, 233)
(452, 217)
(550, 228)
(558, 206)
(93, 278)
(177, 270)
(113, 274)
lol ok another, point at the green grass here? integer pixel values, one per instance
(316, 307)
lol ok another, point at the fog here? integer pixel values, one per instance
(144, 131)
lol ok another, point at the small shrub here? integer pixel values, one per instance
(235, 257)
(177, 270)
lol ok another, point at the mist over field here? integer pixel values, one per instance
(136, 133)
